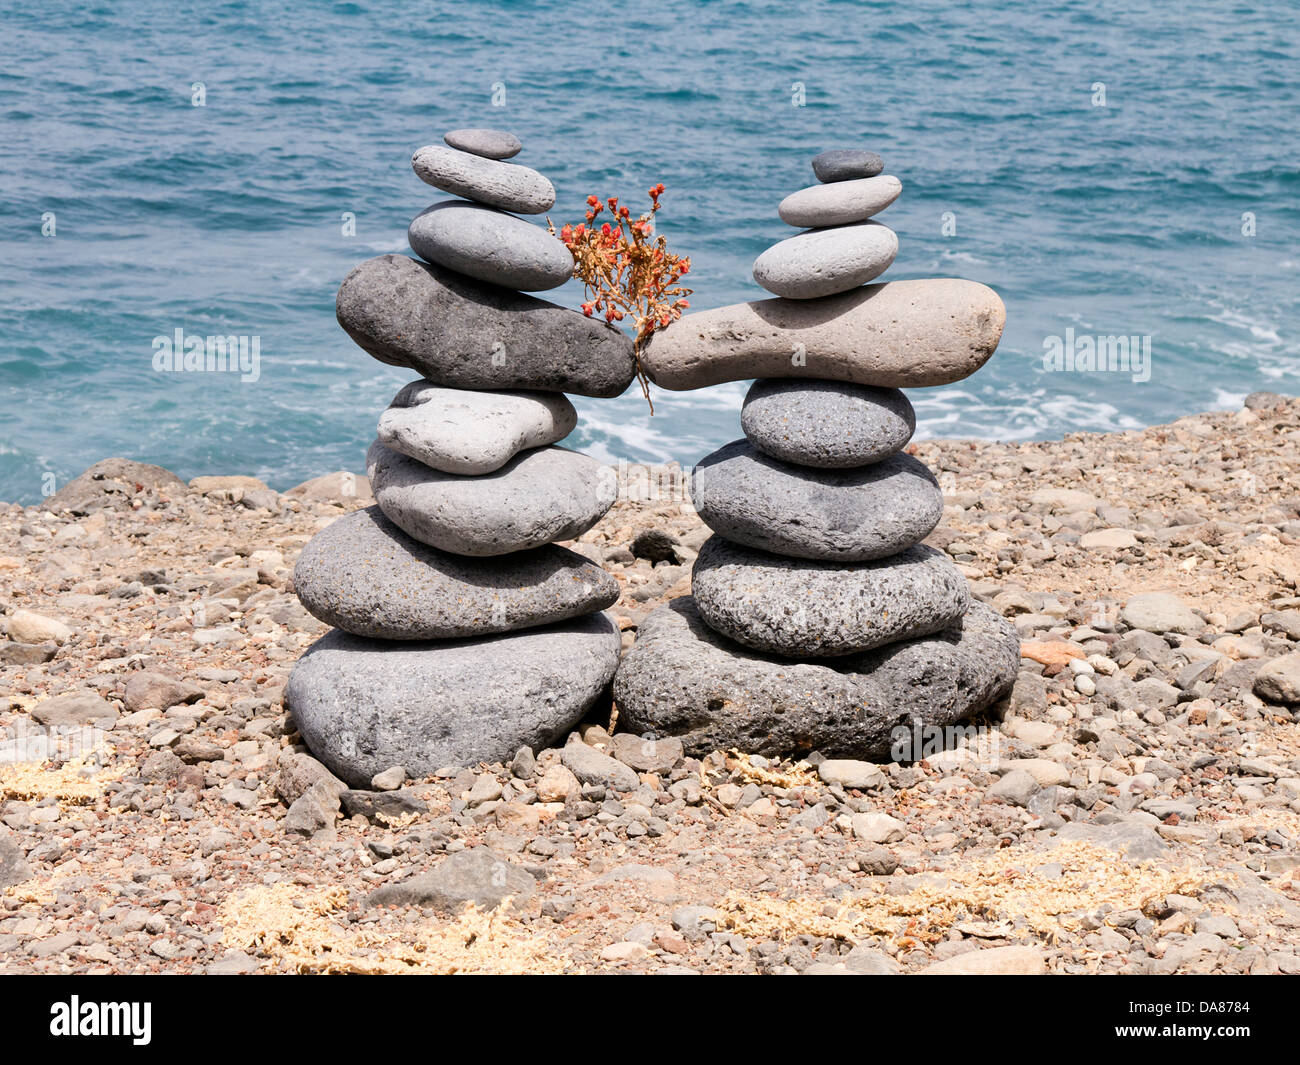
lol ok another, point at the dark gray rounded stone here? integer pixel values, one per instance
(489, 143)
(797, 607)
(850, 515)
(364, 575)
(827, 424)
(363, 705)
(490, 245)
(683, 679)
(464, 333)
(845, 164)
(538, 497)
(505, 185)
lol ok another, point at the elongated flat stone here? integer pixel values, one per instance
(822, 262)
(490, 245)
(797, 607)
(456, 430)
(828, 424)
(683, 679)
(852, 515)
(840, 203)
(489, 143)
(460, 332)
(508, 186)
(363, 575)
(539, 496)
(901, 334)
(364, 706)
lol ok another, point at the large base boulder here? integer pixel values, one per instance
(364, 705)
(683, 679)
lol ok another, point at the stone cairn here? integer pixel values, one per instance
(461, 630)
(819, 621)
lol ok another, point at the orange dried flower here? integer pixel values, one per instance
(628, 271)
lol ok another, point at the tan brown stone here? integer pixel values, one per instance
(901, 334)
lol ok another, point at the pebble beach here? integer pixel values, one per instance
(1133, 805)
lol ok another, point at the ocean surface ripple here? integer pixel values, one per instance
(1171, 212)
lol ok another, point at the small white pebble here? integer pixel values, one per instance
(1103, 665)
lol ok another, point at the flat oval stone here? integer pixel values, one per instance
(490, 245)
(845, 164)
(822, 262)
(508, 186)
(488, 143)
(537, 497)
(363, 575)
(456, 331)
(842, 515)
(829, 424)
(797, 607)
(363, 705)
(683, 679)
(468, 432)
(841, 203)
(902, 334)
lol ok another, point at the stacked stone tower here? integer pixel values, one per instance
(818, 618)
(461, 630)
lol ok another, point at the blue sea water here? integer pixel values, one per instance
(1098, 163)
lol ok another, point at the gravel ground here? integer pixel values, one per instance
(1133, 807)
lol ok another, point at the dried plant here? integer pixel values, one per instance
(1016, 894)
(307, 931)
(628, 271)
